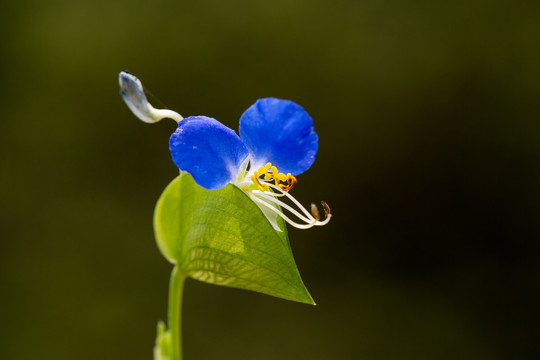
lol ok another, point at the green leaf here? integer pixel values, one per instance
(221, 237)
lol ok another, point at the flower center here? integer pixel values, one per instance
(271, 185)
(269, 173)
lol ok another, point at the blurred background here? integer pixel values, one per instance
(428, 116)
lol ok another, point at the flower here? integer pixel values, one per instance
(274, 134)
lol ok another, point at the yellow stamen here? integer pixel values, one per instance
(284, 182)
(255, 179)
(291, 181)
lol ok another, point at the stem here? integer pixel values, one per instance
(176, 288)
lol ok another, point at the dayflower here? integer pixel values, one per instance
(277, 142)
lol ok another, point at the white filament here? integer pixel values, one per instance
(296, 225)
(283, 205)
(260, 197)
(296, 202)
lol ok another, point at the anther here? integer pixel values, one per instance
(327, 212)
(255, 179)
(315, 212)
(278, 178)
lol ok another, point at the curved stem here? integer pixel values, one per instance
(176, 288)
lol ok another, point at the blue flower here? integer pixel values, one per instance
(271, 130)
(277, 142)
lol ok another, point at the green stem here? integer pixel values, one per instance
(176, 288)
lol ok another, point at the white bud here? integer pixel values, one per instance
(132, 92)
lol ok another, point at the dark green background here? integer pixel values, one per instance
(429, 122)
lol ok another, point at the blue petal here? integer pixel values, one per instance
(208, 150)
(280, 132)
